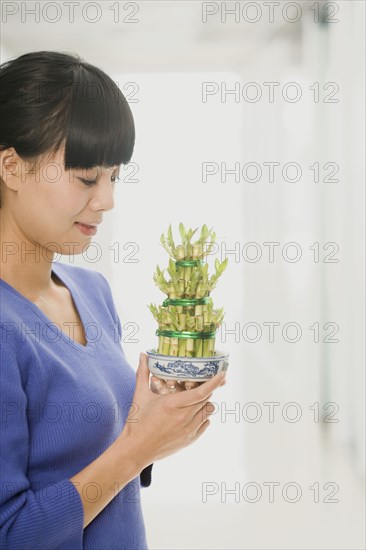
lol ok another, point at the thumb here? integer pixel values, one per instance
(142, 373)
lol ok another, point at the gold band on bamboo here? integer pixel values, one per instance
(184, 334)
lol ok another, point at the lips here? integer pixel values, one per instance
(86, 229)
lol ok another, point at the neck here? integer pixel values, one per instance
(24, 265)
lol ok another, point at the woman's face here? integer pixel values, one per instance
(51, 202)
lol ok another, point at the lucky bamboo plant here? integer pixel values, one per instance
(187, 320)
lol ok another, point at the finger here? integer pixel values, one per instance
(191, 385)
(173, 386)
(202, 414)
(187, 398)
(142, 373)
(163, 387)
(158, 386)
(201, 421)
(206, 411)
(197, 411)
(203, 427)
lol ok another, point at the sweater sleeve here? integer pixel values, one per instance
(145, 476)
(30, 518)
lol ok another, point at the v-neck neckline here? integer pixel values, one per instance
(89, 348)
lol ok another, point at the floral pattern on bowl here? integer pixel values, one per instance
(187, 369)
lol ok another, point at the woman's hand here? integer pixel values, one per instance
(162, 387)
(159, 425)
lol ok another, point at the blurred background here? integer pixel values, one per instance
(250, 119)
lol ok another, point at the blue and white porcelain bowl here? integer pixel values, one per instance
(187, 369)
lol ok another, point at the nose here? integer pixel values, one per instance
(103, 198)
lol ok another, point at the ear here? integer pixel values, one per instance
(11, 168)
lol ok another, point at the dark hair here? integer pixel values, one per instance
(48, 99)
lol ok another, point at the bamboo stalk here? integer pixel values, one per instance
(160, 347)
(198, 311)
(182, 341)
(190, 341)
(174, 325)
(211, 347)
(173, 350)
(190, 347)
(182, 347)
(198, 348)
(205, 351)
(166, 345)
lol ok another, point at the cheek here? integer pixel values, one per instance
(65, 193)
(53, 197)
(71, 194)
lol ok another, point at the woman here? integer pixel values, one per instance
(79, 430)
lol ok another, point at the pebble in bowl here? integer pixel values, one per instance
(186, 369)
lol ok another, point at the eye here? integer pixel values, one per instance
(88, 182)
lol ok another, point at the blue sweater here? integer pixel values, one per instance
(62, 405)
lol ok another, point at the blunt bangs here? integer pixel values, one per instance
(101, 129)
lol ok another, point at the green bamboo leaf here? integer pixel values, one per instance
(224, 264)
(204, 233)
(213, 237)
(182, 232)
(193, 232)
(164, 244)
(172, 270)
(171, 241)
